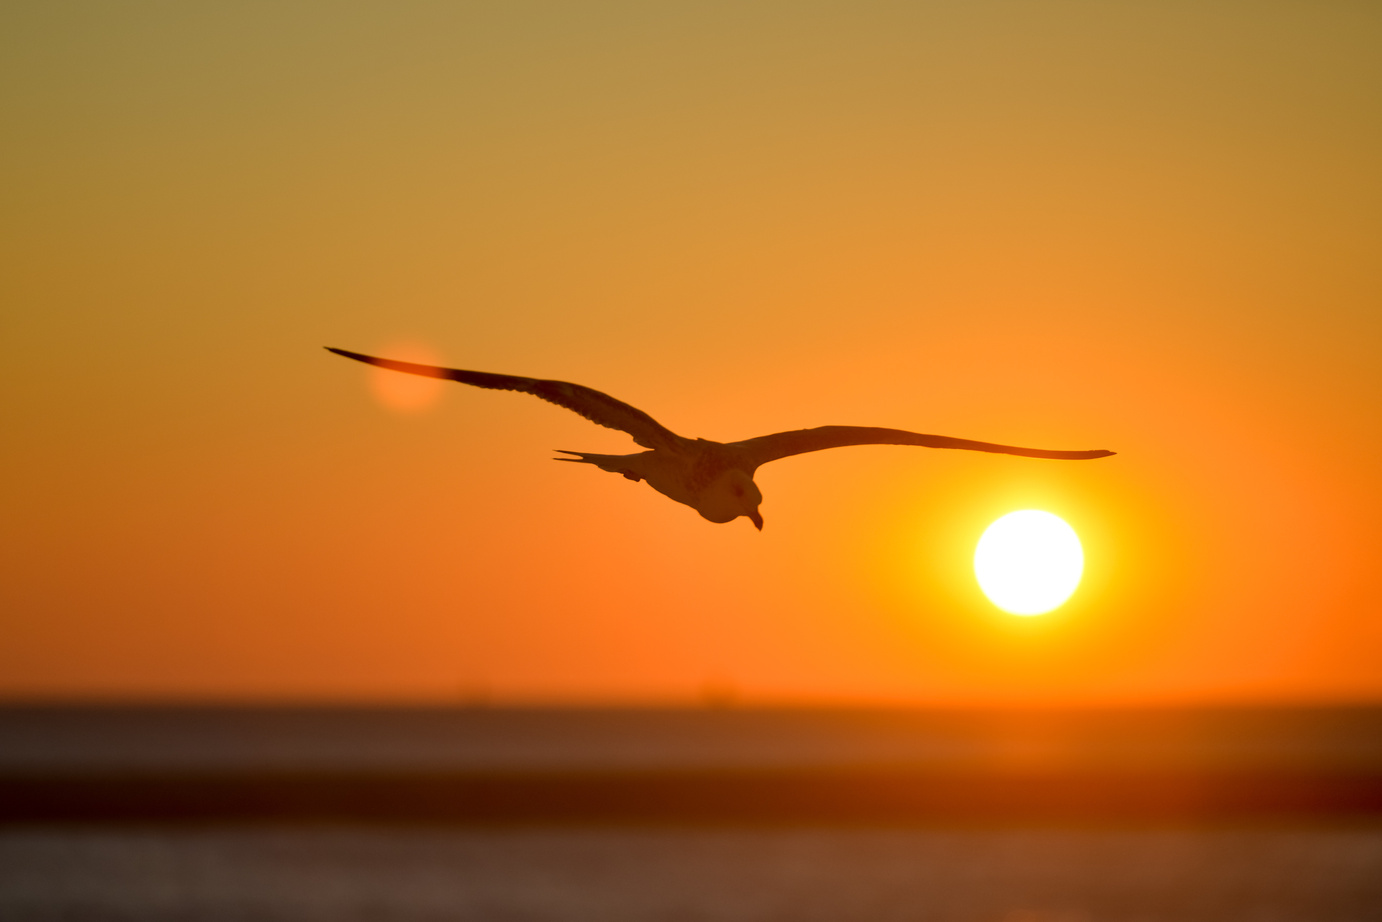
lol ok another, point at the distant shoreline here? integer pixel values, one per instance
(877, 796)
(687, 766)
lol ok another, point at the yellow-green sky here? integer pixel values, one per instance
(1150, 227)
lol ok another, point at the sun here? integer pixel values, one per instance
(1029, 562)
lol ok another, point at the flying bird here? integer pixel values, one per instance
(714, 478)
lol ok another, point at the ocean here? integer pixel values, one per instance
(1281, 855)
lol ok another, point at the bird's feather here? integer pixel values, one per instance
(765, 448)
(599, 408)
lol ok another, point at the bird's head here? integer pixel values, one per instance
(732, 495)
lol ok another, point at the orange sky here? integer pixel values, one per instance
(1071, 225)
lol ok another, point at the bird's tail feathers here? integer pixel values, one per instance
(612, 463)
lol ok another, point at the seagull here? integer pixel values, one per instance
(714, 478)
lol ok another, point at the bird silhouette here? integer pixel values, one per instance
(714, 478)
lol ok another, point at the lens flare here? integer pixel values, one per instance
(403, 393)
(1029, 562)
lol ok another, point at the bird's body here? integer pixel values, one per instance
(714, 478)
(707, 476)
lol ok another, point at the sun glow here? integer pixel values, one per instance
(1029, 562)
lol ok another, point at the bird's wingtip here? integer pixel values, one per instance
(366, 359)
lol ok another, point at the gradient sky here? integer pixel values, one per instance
(1151, 227)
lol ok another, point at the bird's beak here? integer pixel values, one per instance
(756, 519)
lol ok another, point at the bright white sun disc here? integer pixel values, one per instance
(1029, 562)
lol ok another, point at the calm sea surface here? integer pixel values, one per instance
(1271, 873)
(610, 875)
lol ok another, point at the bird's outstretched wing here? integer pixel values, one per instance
(753, 452)
(601, 409)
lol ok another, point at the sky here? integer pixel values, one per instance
(1148, 227)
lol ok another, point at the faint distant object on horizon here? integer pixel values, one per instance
(714, 478)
